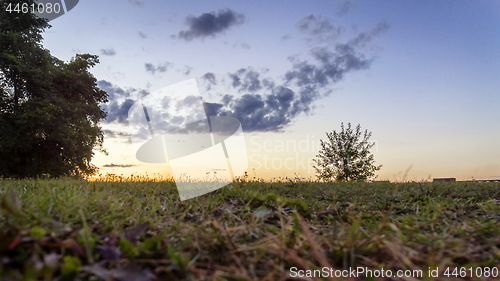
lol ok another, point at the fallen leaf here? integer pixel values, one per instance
(12, 204)
(109, 252)
(9, 237)
(325, 213)
(126, 273)
(51, 261)
(133, 234)
(262, 212)
(14, 243)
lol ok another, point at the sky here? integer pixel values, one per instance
(422, 76)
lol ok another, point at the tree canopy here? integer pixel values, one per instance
(49, 109)
(346, 156)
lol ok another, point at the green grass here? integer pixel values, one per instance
(140, 230)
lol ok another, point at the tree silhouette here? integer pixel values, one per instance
(346, 156)
(49, 109)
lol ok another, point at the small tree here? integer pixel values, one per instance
(346, 156)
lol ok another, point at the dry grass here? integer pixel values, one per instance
(137, 229)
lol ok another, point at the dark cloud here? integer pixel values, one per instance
(208, 81)
(162, 67)
(319, 28)
(142, 35)
(246, 80)
(120, 101)
(118, 165)
(365, 37)
(163, 120)
(235, 77)
(265, 105)
(187, 102)
(118, 111)
(259, 102)
(137, 3)
(210, 77)
(261, 105)
(242, 45)
(108, 52)
(187, 70)
(116, 134)
(143, 93)
(345, 6)
(331, 66)
(269, 112)
(210, 24)
(113, 92)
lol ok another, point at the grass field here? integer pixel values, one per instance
(136, 229)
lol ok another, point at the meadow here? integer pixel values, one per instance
(133, 228)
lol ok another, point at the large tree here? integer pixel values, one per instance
(346, 156)
(49, 109)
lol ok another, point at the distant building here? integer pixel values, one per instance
(444, 180)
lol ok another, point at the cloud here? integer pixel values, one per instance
(210, 24)
(264, 112)
(246, 79)
(137, 3)
(269, 111)
(345, 6)
(261, 104)
(142, 35)
(319, 28)
(113, 92)
(331, 66)
(210, 77)
(118, 111)
(118, 165)
(187, 70)
(242, 45)
(120, 101)
(162, 67)
(166, 113)
(116, 134)
(365, 37)
(108, 52)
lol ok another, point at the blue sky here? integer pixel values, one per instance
(425, 81)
